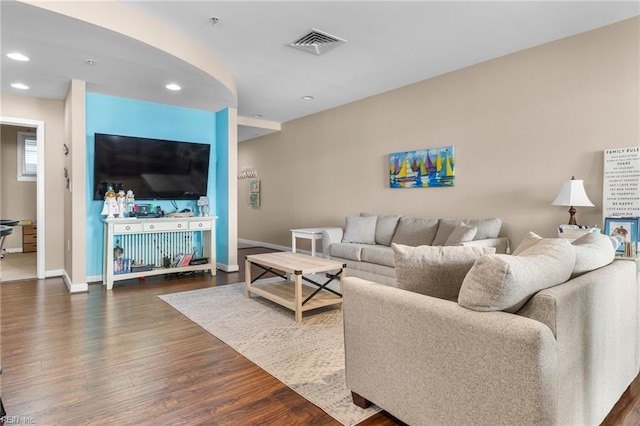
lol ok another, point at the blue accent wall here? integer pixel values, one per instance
(129, 117)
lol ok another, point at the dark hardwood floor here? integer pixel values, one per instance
(124, 357)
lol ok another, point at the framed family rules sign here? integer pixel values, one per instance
(621, 182)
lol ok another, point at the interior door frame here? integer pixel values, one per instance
(40, 218)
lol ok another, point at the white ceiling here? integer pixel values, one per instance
(390, 44)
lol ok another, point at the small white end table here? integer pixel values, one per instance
(312, 234)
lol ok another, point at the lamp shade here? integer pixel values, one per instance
(572, 193)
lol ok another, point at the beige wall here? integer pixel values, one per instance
(75, 194)
(520, 125)
(18, 198)
(52, 113)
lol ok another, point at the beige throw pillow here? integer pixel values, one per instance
(360, 230)
(435, 271)
(531, 239)
(593, 251)
(505, 282)
(461, 234)
(415, 231)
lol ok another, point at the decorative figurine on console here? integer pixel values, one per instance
(110, 207)
(120, 201)
(129, 202)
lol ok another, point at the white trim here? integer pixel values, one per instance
(271, 246)
(54, 273)
(227, 268)
(40, 190)
(13, 250)
(95, 279)
(74, 288)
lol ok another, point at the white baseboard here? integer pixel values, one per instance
(13, 249)
(273, 246)
(94, 279)
(74, 288)
(227, 268)
(54, 273)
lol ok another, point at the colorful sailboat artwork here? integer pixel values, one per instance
(425, 168)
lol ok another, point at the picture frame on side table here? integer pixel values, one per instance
(625, 229)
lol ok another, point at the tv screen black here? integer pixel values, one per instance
(154, 169)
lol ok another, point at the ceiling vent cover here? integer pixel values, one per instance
(317, 42)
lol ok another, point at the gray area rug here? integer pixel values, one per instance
(307, 357)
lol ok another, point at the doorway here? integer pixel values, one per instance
(24, 266)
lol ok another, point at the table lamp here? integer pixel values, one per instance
(572, 194)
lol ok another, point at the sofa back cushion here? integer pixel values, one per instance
(435, 271)
(487, 228)
(530, 240)
(385, 227)
(593, 251)
(415, 231)
(361, 230)
(504, 282)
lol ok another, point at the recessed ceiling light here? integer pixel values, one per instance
(19, 86)
(257, 115)
(173, 86)
(307, 98)
(16, 56)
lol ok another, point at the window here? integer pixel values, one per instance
(27, 156)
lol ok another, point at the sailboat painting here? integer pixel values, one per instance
(425, 168)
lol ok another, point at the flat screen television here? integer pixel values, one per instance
(154, 169)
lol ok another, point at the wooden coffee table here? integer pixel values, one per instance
(292, 294)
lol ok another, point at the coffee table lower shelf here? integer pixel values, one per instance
(284, 293)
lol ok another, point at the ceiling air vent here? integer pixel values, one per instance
(317, 42)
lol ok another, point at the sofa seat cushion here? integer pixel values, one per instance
(433, 270)
(380, 255)
(487, 228)
(349, 251)
(503, 282)
(360, 230)
(593, 251)
(415, 231)
(385, 227)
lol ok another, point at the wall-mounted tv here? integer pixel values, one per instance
(154, 169)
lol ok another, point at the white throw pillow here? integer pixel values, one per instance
(461, 234)
(593, 251)
(503, 282)
(531, 239)
(434, 270)
(361, 230)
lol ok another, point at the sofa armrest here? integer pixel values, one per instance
(330, 236)
(501, 244)
(431, 361)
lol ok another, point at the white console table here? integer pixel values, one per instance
(151, 240)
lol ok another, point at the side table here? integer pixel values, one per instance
(312, 234)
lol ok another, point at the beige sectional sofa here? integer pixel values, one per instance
(364, 244)
(546, 336)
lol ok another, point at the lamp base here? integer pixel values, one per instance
(572, 217)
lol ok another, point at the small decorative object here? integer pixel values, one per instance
(426, 168)
(129, 202)
(110, 207)
(254, 185)
(120, 201)
(203, 204)
(572, 194)
(254, 199)
(625, 230)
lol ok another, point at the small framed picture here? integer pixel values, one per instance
(254, 199)
(625, 229)
(254, 185)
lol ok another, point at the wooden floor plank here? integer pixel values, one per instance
(126, 357)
